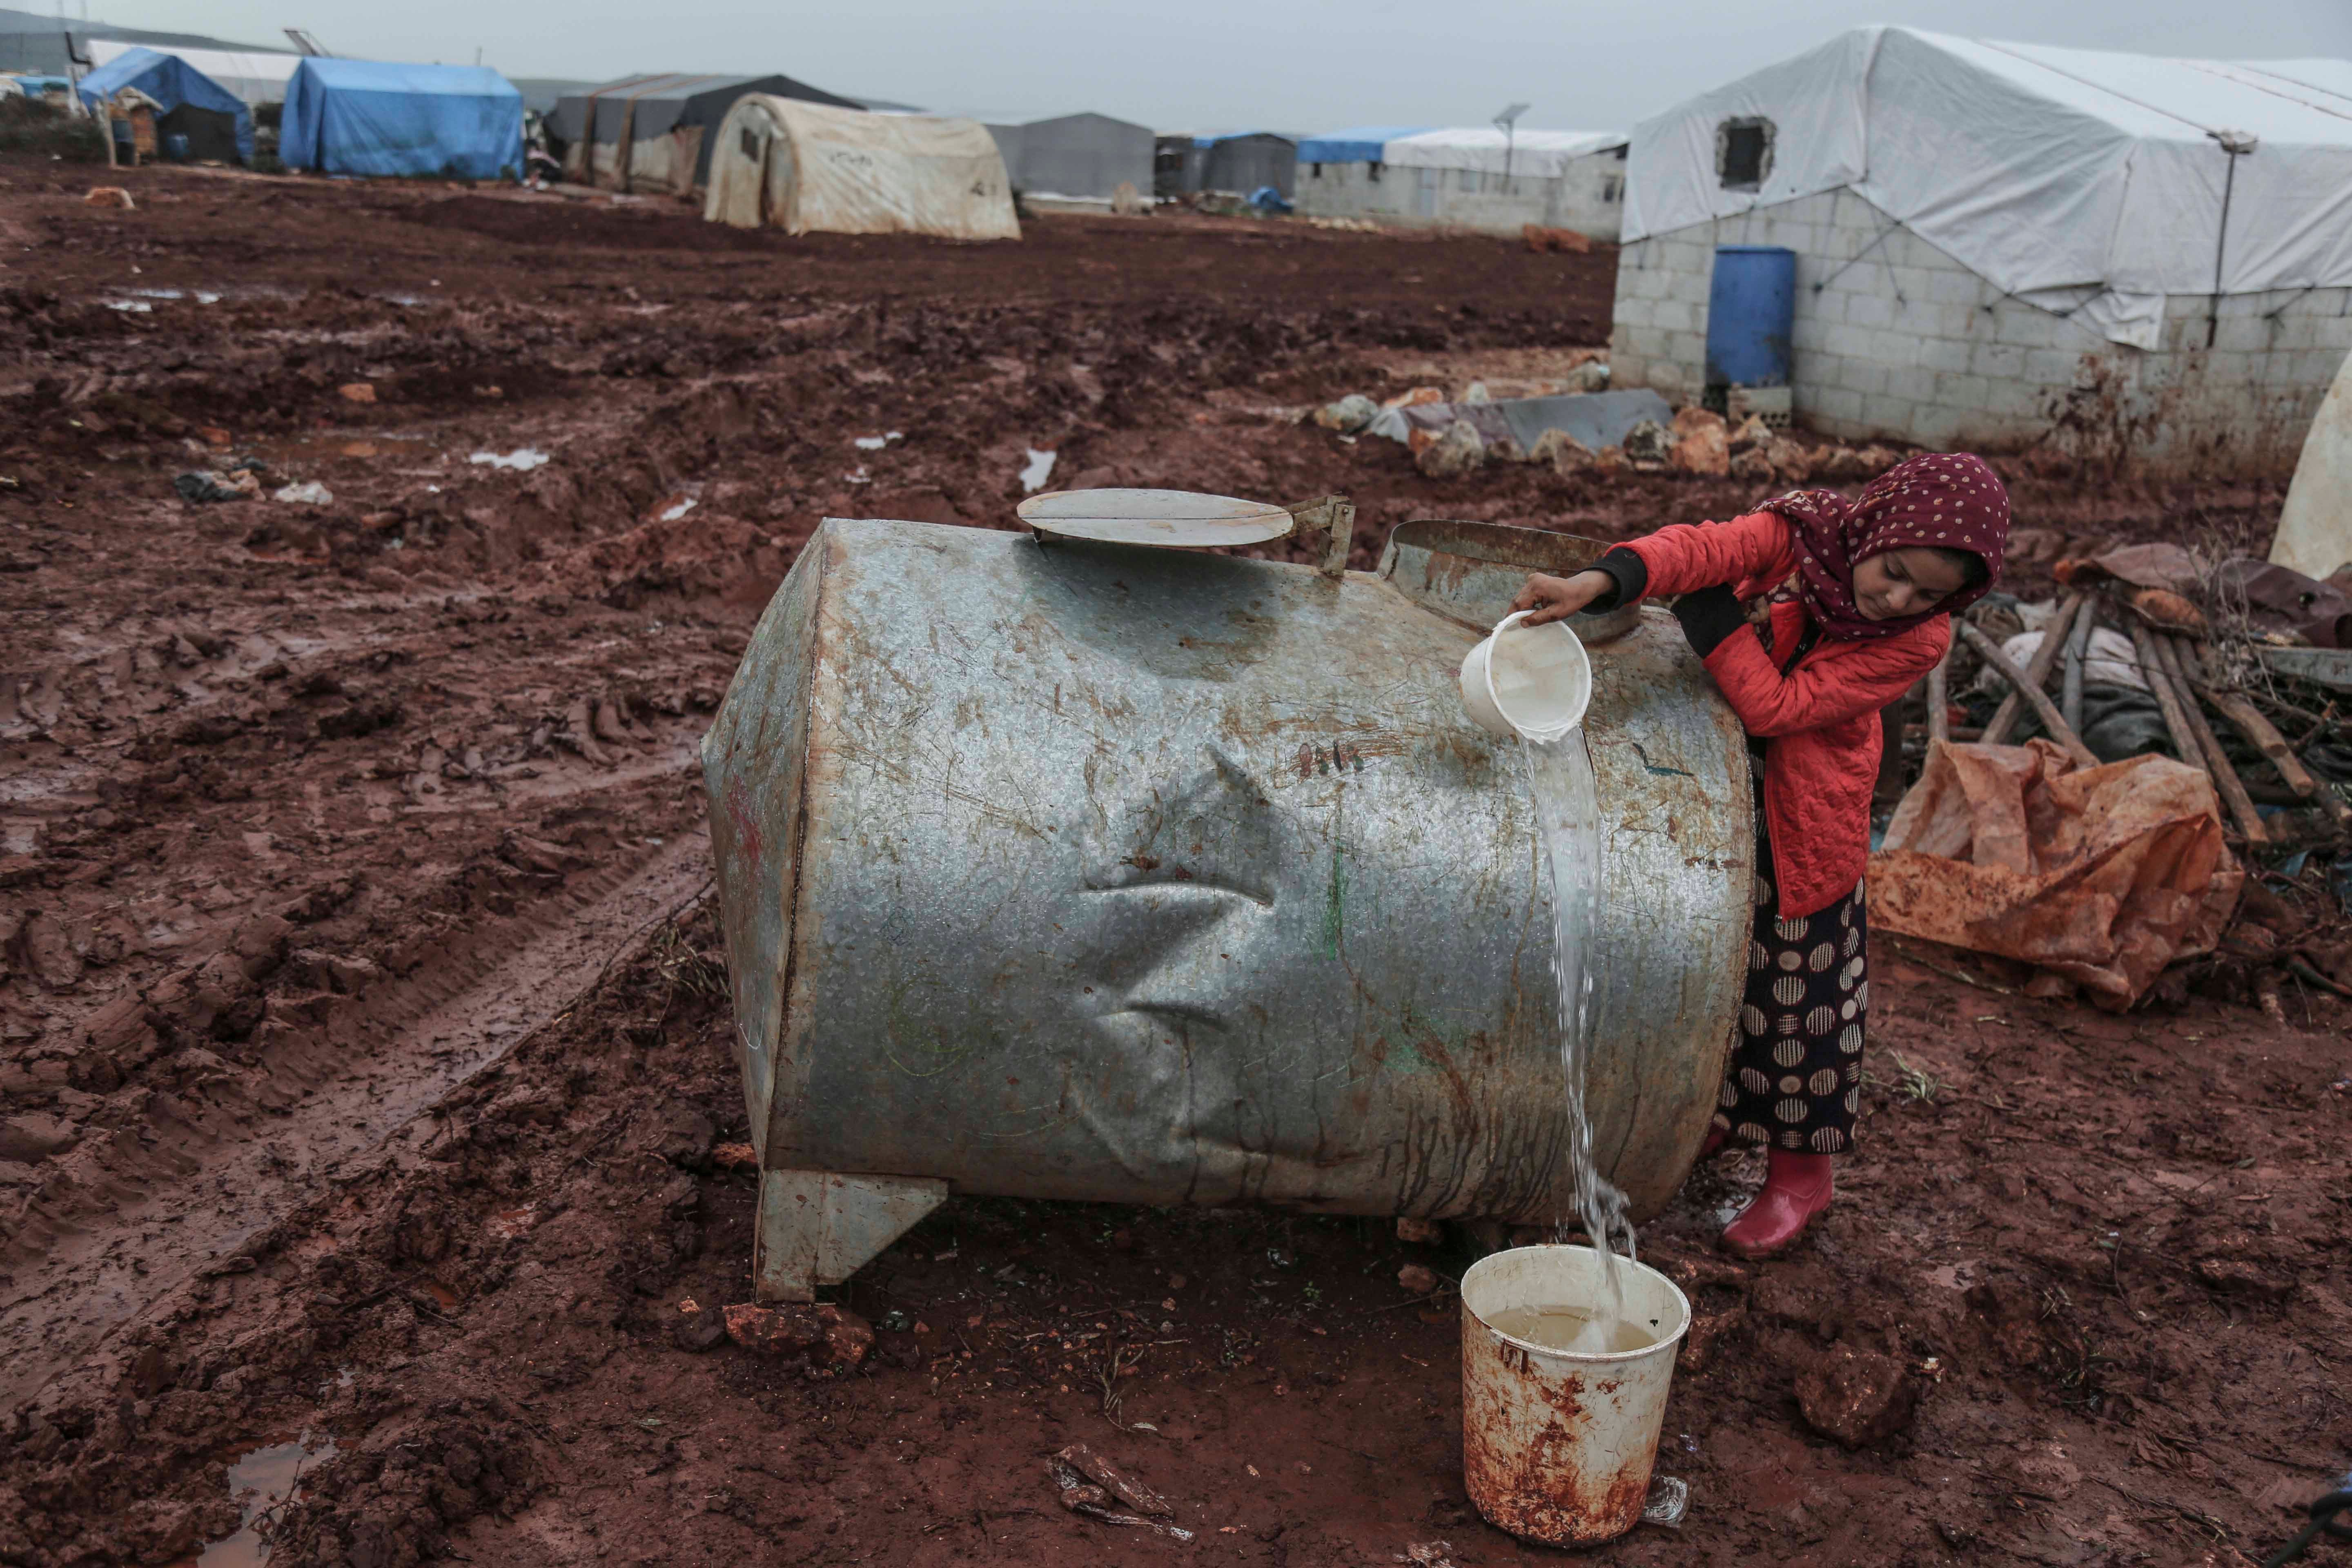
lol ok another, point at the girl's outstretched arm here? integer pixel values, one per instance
(1771, 704)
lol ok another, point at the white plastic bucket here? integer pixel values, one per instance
(1557, 1446)
(1527, 681)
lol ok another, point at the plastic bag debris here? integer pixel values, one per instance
(523, 460)
(2100, 875)
(1668, 1502)
(1088, 1483)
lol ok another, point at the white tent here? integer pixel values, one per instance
(809, 169)
(1539, 154)
(255, 76)
(2093, 184)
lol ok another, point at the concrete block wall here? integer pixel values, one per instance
(1895, 339)
(1589, 196)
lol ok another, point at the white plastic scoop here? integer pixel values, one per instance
(1523, 680)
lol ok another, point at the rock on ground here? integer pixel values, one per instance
(1856, 1397)
(1456, 452)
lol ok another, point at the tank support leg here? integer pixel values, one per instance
(818, 1228)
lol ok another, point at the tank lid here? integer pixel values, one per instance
(1171, 519)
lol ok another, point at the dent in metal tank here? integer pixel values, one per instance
(1093, 871)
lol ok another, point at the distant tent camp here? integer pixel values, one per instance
(1467, 176)
(38, 44)
(372, 118)
(187, 103)
(806, 168)
(666, 120)
(1086, 156)
(256, 76)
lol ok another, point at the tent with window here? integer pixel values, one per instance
(665, 118)
(1082, 156)
(2136, 261)
(375, 117)
(808, 168)
(188, 103)
(2100, 183)
(256, 76)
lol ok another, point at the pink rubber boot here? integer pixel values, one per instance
(1796, 1188)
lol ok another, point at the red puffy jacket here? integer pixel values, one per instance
(1821, 716)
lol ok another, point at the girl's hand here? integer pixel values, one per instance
(1549, 598)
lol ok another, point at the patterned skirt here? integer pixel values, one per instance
(1795, 1077)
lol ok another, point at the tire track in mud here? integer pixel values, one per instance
(205, 1188)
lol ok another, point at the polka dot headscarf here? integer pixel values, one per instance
(1950, 501)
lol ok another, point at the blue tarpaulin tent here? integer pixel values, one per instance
(1359, 144)
(370, 117)
(188, 102)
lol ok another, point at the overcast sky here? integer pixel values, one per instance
(1289, 65)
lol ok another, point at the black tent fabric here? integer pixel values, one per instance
(656, 104)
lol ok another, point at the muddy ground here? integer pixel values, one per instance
(360, 1041)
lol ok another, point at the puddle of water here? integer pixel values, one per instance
(136, 307)
(260, 1483)
(671, 514)
(523, 460)
(876, 443)
(159, 293)
(1040, 469)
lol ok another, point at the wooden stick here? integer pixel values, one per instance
(1939, 699)
(2006, 668)
(2217, 762)
(2151, 667)
(2260, 732)
(2070, 701)
(2248, 720)
(2012, 707)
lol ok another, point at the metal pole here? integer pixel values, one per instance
(2221, 242)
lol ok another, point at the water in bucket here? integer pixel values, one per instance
(1577, 1329)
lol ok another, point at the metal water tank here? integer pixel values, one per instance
(1067, 869)
(1751, 311)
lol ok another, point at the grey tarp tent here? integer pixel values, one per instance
(667, 118)
(1242, 162)
(1083, 155)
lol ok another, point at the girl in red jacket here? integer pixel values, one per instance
(1863, 594)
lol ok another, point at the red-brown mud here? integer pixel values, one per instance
(362, 1048)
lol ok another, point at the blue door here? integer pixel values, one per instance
(1751, 309)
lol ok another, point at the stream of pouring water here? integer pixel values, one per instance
(1568, 815)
